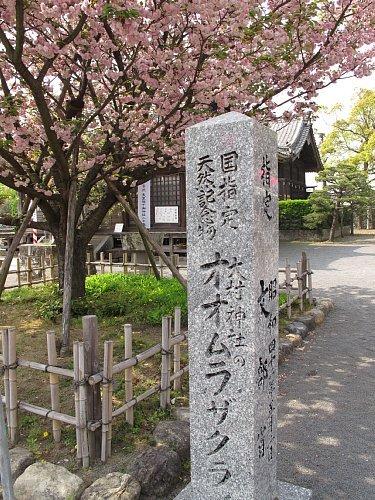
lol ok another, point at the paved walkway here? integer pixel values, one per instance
(327, 389)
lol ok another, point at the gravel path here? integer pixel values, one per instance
(327, 389)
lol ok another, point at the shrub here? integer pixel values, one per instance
(292, 213)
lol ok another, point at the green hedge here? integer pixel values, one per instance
(292, 212)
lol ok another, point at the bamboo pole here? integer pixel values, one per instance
(76, 399)
(5, 359)
(288, 285)
(102, 263)
(128, 373)
(88, 263)
(124, 266)
(165, 362)
(29, 271)
(12, 358)
(135, 262)
(300, 284)
(179, 374)
(110, 257)
(83, 406)
(43, 264)
(138, 358)
(94, 413)
(18, 272)
(309, 282)
(107, 401)
(44, 412)
(42, 367)
(54, 384)
(177, 349)
(5, 470)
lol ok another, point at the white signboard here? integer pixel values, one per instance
(166, 215)
(118, 228)
(144, 203)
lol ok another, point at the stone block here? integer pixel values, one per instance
(157, 469)
(48, 482)
(318, 315)
(174, 434)
(298, 327)
(113, 486)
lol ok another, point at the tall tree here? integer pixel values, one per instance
(345, 185)
(352, 141)
(106, 88)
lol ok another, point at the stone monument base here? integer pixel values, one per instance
(287, 491)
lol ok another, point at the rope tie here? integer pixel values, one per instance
(106, 381)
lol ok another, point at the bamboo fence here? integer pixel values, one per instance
(32, 270)
(92, 413)
(297, 284)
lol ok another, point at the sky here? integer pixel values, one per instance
(343, 92)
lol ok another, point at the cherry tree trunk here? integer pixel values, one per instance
(79, 266)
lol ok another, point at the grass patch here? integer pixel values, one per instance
(138, 299)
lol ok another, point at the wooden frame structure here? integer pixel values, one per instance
(87, 402)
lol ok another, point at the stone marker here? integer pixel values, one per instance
(232, 223)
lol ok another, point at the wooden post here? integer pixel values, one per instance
(52, 264)
(177, 349)
(5, 470)
(83, 405)
(18, 272)
(304, 270)
(43, 266)
(107, 401)
(88, 263)
(124, 266)
(54, 384)
(102, 264)
(5, 347)
(309, 282)
(94, 413)
(128, 372)
(68, 261)
(110, 256)
(76, 399)
(300, 284)
(288, 286)
(165, 390)
(29, 271)
(13, 400)
(135, 260)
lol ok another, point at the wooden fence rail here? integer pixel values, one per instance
(92, 413)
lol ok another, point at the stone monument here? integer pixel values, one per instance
(232, 214)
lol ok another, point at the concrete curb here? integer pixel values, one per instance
(301, 327)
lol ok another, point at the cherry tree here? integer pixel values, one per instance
(94, 90)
